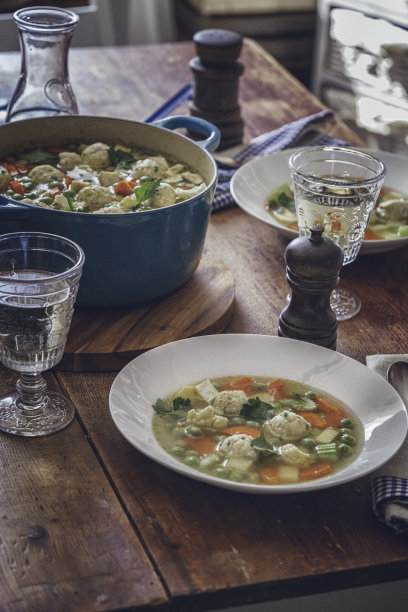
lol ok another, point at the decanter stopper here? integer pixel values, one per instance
(313, 267)
(216, 76)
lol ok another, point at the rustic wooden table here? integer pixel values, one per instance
(87, 522)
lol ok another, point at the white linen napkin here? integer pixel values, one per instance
(389, 484)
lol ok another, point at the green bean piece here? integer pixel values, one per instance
(46, 200)
(347, 423)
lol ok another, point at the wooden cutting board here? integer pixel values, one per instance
(107, 339)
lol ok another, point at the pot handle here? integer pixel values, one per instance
(11, 211)
(195, 124)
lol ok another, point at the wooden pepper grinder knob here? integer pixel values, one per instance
(313, 267)
(216, 75)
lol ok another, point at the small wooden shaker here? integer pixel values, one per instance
(216, 74)
(313, 267)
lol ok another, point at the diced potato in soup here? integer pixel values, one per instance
(265, 431)
(97, 178)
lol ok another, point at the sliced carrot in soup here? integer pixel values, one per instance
(314, 419)
(315, 471)
(326, 406)
(244, 383)
(277, 390)
(204, 446)
(241, 429)
(269, 474)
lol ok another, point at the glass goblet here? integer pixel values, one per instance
(337, 188)
(39, 278)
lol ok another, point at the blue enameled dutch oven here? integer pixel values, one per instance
(131, 257)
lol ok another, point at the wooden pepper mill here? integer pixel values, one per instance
(216, 74)
(313, 267)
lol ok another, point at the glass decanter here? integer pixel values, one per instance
(43, 87)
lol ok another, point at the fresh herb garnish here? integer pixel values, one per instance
(70, 196)
(179, 407)
(146, 191)
(39, 156)
(162, 407)
(257, 410)
(120, 158)
(262, 445)
(178, 402)
(282, 197)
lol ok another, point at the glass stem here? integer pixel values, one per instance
(31, 389)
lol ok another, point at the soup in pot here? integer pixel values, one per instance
(97, 178)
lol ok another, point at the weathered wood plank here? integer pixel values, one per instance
(65, 540)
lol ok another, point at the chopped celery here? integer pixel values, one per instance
(327, 451)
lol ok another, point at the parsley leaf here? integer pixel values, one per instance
(161, 407)
(262, 445)
(181, 401)
(257, 410)
(179, 408)
(121, 159)
(70, 197)
(146, 191)
(40, 156)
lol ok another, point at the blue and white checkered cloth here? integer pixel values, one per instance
(389, 484)
(304, 131)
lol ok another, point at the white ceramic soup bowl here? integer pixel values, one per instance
(161, 371)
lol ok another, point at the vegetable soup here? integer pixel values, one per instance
(266, 431)
(388, 221)
(97, 178)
